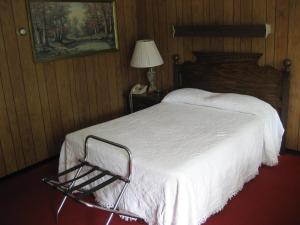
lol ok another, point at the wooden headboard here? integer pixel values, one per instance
(236, 73)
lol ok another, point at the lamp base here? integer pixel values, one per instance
(151, 75)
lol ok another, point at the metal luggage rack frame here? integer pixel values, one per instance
(77, 192)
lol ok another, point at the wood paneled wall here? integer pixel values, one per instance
(157, 16)
(41, 102)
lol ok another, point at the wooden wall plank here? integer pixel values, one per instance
(101, 104)
(91, 74)
(73, 93)
(187, 19)
(30, 83)
(3, 170)
(64, 95)
(54, 106)
(179, 4)
(259, 17)
(172, 42)
(197, 19)
(157, 38)
(131, 29)
(163, 47)
(123, 45)
(128, 45)
(294, 55)
(112, 83)
(237, 21)
(45, 109)
(20, 101)
(142, 25)
(229, 19)
(281, 44)
(270, 42)
(122, 104)
(79, 70)
(9, 156)
(216, 17)
(150, 19)
(206, 18)
(11, 110)
(246, 18)
(281, 36)
(103, 92)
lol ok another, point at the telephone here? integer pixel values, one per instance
(139, 89)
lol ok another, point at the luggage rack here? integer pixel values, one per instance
(78, 193)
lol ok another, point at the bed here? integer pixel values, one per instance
(195, 150)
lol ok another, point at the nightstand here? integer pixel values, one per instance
(141, 101)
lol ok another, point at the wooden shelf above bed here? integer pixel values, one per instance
(252, 30)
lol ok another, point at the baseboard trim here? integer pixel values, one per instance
(29, 168)
(291, 152)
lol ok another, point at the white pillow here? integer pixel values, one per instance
(228, 101)
(187, 95)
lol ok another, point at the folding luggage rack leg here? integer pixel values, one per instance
(77, 191)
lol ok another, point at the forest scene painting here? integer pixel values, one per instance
(69, 28)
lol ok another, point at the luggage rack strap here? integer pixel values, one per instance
(97, 177)
(81, 176)
(125, 179)
(98, 187)
(70, 170)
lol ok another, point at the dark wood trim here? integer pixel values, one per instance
(28, 169)
(252, 30)
(291, 152)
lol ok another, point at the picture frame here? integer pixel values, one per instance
(69, 28)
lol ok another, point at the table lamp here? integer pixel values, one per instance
(146, 55)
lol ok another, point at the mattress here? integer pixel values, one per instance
(191, 154)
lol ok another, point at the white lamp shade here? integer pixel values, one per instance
(146, 55)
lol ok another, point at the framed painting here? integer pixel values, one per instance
(65, 28)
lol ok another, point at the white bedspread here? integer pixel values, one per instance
(191, 153)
